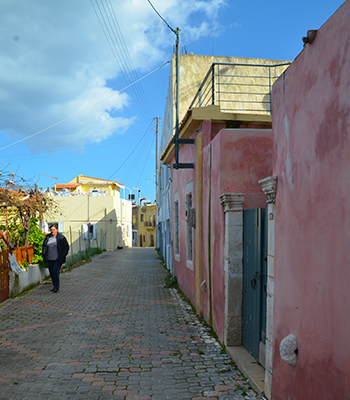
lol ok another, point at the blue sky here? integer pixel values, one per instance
(58, 63)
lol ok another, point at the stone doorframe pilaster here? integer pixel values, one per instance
(269, 187)
(233, 267)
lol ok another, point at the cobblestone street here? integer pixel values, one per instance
(112, 332)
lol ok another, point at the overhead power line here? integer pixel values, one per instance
(85, 109)
(132, 152)
(149, 152)
(161, 17)
(109, 23)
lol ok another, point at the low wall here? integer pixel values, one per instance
(26, 279)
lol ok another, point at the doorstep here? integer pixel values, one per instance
(247, 364)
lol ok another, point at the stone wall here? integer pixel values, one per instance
(26, 279)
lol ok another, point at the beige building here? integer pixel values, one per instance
(92, 214)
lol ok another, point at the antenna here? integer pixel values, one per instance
(53, 179)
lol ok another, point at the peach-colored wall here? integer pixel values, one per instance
(311, 127)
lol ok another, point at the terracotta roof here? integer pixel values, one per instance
(14, 191)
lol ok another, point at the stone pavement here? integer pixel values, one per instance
(112, 332)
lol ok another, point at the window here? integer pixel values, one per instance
(89, 231)
(142, 217)
(48, 224)
(176, 227)
(189, 225)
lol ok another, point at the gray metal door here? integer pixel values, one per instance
(254, 279)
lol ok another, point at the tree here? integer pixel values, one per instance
(22, 201)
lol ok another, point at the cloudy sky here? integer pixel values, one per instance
(66, 67)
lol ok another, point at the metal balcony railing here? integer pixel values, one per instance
(150, 224)
(239, 87)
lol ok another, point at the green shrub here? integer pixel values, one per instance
(15, 235)
(36, 239)
(171, 281)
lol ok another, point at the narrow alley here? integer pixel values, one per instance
(112, 332)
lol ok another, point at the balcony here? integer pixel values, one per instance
(150, 224)
(242, 88)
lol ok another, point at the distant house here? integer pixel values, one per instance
(144, 223)
(92, 214)
(86, 184)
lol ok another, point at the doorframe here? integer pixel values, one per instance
(269, 187)
(233, 267)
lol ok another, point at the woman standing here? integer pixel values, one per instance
(55, 250)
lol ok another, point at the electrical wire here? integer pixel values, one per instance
(173, 30)
(132, 151)
(101, 144)
(90, 134)
(144, 166)
(109, 23)
(81, 111)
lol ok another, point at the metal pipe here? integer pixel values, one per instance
(177, 96)
(213, 84)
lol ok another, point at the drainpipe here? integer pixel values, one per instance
(177, 32)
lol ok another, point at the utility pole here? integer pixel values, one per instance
(176, 140)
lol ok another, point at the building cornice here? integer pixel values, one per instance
(269, 187)
(232, 201)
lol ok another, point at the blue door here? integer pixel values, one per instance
(254, 279)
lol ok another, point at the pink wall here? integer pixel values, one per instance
(244, 156)
(239, 158)
(180, 178)
(311, 127)
(233, 162)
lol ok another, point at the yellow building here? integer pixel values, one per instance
(88, 184)
(146, 224)
(92, 214)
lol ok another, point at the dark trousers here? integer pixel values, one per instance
(54, 268)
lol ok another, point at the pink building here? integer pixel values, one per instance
(219, 208)
(209, 202)
(311, 131)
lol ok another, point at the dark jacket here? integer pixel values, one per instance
(62, 247)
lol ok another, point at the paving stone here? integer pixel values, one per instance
(111, 332)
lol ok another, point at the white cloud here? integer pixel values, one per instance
(55, 62)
